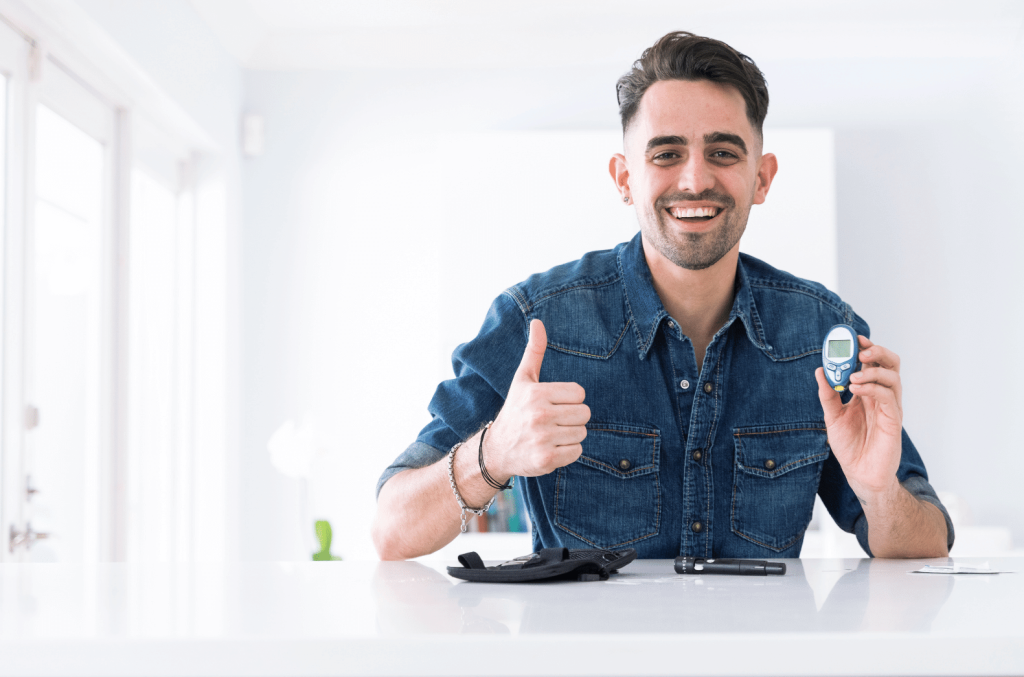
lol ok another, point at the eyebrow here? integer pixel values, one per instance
(725, 137)
(713, 137)
(667, 141)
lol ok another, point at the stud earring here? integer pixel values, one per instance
(625, 198)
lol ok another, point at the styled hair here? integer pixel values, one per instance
(685, 56)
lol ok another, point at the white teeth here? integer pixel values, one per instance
(692, 212)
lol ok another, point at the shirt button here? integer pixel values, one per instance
(624, 464)
(671, 324)
(769, 464)
(708, 388)
(684, 384)
(697, 455)
(697, 527)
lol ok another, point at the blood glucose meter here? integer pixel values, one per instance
(839, 356)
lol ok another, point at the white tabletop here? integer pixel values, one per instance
(825, 617)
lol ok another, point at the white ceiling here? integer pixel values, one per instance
(344, 34)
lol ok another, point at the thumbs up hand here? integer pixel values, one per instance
(542, 425)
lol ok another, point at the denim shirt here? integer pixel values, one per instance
(721, 461)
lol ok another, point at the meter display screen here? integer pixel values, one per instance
(841, 349)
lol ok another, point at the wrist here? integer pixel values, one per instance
(471, 484)
(878, 496)
(490, 453)
(505, 482)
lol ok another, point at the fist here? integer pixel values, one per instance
(542, 425)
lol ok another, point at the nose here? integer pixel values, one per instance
(696, 175)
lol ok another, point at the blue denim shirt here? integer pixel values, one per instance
(723, 461)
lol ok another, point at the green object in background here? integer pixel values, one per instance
(323, 534)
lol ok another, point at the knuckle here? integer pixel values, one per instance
(573, 453)
(535, 418)
(547, 460)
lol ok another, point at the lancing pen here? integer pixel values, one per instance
(729, 567)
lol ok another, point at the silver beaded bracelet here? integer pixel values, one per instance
(455, 490)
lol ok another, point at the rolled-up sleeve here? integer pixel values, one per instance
(461, 406)
(843, 504)
(846, 510)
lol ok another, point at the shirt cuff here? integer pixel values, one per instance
(416, 455)
(919, 488)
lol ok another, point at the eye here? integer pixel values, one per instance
(724, 157)
(665, 157)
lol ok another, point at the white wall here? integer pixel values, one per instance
(927, 159)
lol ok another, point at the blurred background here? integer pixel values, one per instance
(242, 238)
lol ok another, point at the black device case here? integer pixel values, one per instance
(545, 565)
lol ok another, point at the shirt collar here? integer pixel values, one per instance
(646, 311)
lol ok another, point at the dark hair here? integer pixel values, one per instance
(685, 56)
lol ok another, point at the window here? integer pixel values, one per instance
(99, 335)
(160, 411)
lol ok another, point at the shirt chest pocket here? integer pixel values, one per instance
(610, 496)
(776, 476)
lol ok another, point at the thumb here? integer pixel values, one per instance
(529, 367)
(831, 403)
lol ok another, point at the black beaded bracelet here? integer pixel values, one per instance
(491, 482)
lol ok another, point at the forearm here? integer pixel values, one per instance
(901, 525)
(416, 510)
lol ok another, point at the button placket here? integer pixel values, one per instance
(700, 489)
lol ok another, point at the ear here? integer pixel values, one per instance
(620, 174)
(766, 169)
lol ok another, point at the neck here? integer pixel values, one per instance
(698, 300)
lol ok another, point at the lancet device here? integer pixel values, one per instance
(729, 567)
(839, 356)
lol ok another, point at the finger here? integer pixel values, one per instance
(569, 453)
(568, 435)
(872, 353)
(831, 403)
(883, 377)
(572, 415)
(884, 397)
(533, 356)
(563, 393)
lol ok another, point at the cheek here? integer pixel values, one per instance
(741, 189)
(657, 183)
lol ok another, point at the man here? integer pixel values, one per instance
(668, 395)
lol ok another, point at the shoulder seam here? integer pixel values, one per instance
(831, 299)
(519, 299)
(586, 285)
(526, 305)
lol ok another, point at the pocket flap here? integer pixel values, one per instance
(621, 450)
(773, 450)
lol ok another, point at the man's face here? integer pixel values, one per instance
(693, 167)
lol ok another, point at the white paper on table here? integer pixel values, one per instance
(956, 569)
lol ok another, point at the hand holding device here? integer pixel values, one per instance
(865, 433)
(542, 425)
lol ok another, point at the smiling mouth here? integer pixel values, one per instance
(694, 214)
